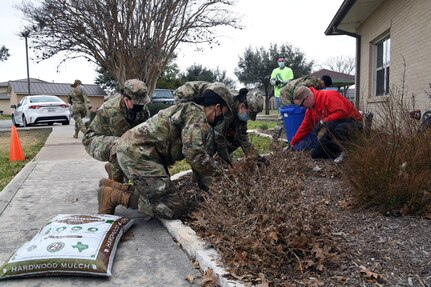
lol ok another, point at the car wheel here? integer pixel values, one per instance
(65, 123)
(14, 122)
(24, 121)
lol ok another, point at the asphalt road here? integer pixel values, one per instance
(5, 125)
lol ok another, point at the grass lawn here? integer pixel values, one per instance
(5, 117)
(31, 142)
(261, 125)
(260, 143)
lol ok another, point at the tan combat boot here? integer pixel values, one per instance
(110, 183)
(108, 169)
(109, 198)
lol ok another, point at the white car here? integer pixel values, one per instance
(40, 109)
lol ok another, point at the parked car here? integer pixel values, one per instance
(163, 96)
(40, 109)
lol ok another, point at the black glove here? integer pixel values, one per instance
(202, 186)
(320, 125)
(261, 160)
(277, 82)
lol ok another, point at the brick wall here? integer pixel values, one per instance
(409, 25)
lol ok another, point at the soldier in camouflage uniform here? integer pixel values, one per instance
(145, 152)
(232, 133)
(112, 120)
(286, 97)
(80, 105)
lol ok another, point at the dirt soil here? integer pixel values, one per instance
(295, 223)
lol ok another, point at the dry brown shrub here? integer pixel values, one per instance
(391, 167)
(262, 223)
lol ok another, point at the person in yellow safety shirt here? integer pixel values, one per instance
(279, 78)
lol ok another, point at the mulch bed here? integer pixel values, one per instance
(295, 223)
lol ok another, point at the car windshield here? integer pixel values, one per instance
(162, 94)
(45, 99)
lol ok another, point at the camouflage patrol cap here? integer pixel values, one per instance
(254, 103)
(189, 90)
(76, 83)
(221, 90)
(137, 91)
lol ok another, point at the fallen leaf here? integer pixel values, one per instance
(273, 237)
(209, 279)
(371, 276)
(190, 278)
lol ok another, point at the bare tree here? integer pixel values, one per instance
(4, 53)
(341, 64)
(128, 38)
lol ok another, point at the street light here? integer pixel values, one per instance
(25, 34)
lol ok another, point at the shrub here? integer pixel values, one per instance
(391, 167)
(263, 224)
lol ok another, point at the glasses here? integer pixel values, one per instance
(301, 104)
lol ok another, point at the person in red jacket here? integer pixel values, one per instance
(329, 109)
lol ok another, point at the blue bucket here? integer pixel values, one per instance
(293, 116)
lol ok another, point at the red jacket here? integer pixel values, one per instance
(329, 106)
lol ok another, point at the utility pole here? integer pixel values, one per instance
(25, 34)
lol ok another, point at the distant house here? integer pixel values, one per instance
(393, 46)
(4, 99)
(13, 91)
(340, 81)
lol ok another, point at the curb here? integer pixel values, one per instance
(14, 185)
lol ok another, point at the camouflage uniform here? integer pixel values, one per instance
(286, 97)
(112, 120)
(80, 105)
(232, 133)
(145, 152)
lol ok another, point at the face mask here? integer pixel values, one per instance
(217, 120)
(137, 108)
(281, 65)
(243, 117)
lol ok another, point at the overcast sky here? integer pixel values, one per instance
(300, 23)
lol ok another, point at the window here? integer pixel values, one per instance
(382, 50)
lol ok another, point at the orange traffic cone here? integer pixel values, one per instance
(15, 152)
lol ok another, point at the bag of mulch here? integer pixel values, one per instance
(70, 244)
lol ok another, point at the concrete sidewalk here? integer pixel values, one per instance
(63, 178)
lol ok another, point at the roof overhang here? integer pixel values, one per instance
(350, 15)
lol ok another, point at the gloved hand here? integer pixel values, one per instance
(262, 161)
(277, 82)
(289, 148)
(320, 125)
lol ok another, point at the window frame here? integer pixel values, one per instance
(385, 41)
